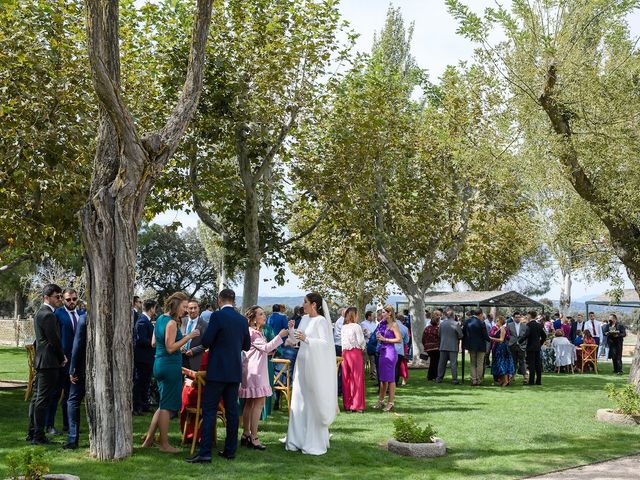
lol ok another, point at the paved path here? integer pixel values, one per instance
(625, 468)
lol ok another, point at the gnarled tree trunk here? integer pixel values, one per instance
(125, 167)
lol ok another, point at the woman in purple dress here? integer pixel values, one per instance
(387, 334)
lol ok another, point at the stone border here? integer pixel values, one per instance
(421, 450)
(609, 416)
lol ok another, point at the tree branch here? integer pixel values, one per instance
(199, 208)
(184, 110)
(282, 135)
(308, 230)
(15, 262)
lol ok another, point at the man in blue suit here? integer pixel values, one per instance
(68, 318)
(77, 375)
(226, 337)
(143, 357)
(474, 338)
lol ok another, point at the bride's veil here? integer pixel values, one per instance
(325, 311)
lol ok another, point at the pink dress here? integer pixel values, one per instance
(255, 374)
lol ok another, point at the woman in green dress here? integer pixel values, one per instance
(167, 368)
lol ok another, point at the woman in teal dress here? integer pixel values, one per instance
(167, 368)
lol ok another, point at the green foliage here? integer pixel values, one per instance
(405, 429)
(46, 127)
(169, 261)
(626, 397)
(32, 463)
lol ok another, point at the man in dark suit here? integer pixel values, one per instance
(68, 318)
(193, 350)
(517, 344)
(226, 337)
(143, 357)
(474, 338)
(534, 338)
(49, 359)
(614, 334)
(77, 374)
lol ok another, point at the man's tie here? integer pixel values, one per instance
(189, 328)
(74, 320)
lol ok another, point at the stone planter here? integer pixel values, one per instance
(609, 416)
(423, 450)
(58, 476)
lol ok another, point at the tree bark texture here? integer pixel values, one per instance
(623, 231)
(254, 253)
(125, 167)
(565, 289)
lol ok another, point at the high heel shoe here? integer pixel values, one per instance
(388, 408)
(256, 446)
(378, 405)
(245, 441)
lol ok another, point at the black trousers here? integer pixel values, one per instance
(534, 361)
(615, 353)
(142, 373)
(62, 389)
(518, 356)
(46, 383)
(212, 393)
(400, 358)
(434, 358)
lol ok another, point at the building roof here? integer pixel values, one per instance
(629, 297)
(491, 298)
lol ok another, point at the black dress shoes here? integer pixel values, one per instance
(41, 441)
(70, 446)
(226, 455)
(198, 459)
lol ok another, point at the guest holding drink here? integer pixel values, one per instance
(167, 368)
(353, 345)
(387, 334)
(255, 386)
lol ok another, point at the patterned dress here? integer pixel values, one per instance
(502, 360)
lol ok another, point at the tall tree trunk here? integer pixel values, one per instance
(416, 309)
(634, 373)
(254, 255)
(361, 301)
(125, 167)
(18, 304)
(565, 288)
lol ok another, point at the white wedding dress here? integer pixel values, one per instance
(314, 401)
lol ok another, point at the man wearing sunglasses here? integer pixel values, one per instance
(68, 318)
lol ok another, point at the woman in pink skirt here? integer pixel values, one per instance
(255, 386)
(352, 362)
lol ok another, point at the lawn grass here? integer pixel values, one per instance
(490, 432)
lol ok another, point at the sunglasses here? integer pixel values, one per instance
(74, 299)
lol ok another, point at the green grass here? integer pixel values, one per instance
(490, 432)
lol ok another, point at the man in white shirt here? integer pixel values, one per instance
(368, 328)
(192, 350)
(594, 327)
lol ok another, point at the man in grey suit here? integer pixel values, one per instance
(450, 335)
(518, 344)
(192, 350)
(49, 359)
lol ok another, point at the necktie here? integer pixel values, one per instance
(74, 320)
(189, 328)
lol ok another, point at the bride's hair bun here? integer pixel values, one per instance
(315, 297)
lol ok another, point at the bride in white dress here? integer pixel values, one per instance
(314, 401)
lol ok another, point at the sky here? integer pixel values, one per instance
(435, 45)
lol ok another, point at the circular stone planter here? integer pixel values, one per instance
(422, 450)
(609, 416)
(58, 476)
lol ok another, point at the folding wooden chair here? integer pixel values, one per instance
(31, 357)
(194, 415)
(589, 356)
(282, 379)
(338, 364)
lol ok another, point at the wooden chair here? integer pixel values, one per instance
(589, 356)
(31, 356)
(282, 379)
(338, 364)
(194, 415)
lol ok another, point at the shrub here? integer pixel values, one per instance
(408, 431)
(627, 399)
(33, 463)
